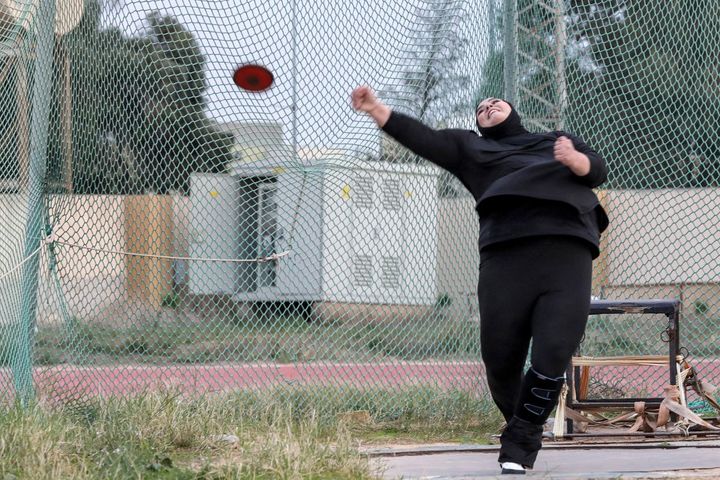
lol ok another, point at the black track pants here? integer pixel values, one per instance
(536, 288)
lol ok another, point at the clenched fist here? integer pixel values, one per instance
(565, 153)
(365, 100)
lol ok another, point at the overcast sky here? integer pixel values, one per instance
(338, 43)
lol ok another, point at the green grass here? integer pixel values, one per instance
(291, 336)
(609, 335)
(281, 339)
(298, 434)
(614, 335)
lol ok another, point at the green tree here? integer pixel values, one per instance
(138, 109)
(492, 77)
(431, 87)
(645, 92)
(642, 85)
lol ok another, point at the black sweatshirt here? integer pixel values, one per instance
(519, 188)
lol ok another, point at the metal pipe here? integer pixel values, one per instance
(510, 51)
(21, 361)
(560, 42)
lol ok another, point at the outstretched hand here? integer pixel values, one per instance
(365, 100)
(565, 153)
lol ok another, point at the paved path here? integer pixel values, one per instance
(682, 460)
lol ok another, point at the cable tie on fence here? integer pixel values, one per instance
(274, 257)
(268, 258)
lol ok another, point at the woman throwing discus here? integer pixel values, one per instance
(540, 226)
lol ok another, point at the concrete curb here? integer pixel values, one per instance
(406, 451)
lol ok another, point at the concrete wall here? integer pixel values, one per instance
(458, 256)
(13, 215)
(660, 244)
(663, 243)
(663, 236)
(94, 284)
(90, 280)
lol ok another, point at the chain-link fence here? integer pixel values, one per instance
(163, 227)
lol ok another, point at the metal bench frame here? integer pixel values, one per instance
(670, 308)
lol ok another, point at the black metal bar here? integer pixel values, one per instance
(674, 341)
(667, 307)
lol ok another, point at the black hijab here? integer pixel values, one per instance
(509, 127)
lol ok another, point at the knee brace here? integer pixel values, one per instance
(538, 396)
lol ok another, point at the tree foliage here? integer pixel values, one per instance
(642, 86)
(138, 109)
(432, 86)
(644, 91)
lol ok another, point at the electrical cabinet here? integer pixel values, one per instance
(346, 232)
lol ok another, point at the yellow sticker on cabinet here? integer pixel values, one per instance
(214, 193)
(346, 192)
(408, 194)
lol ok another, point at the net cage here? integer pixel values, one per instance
(164, 227)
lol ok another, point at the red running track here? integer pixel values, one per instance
(71, 381)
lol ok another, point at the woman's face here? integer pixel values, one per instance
(492, 111)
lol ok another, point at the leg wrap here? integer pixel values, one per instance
(520, 442)
(538, 397)
(522, 439)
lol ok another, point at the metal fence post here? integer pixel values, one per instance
(21, 360)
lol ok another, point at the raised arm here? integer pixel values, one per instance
(442, 147)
